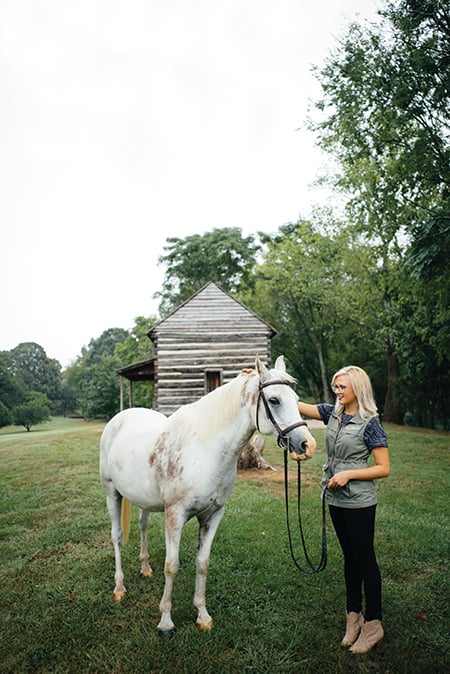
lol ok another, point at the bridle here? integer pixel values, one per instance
(283, 442)
(281, 432)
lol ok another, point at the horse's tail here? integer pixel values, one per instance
(125, 517)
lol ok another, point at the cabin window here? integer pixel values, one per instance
(213, 379)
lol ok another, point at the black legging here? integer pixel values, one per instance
(355, 528)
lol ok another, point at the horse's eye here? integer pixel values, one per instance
(274, 401)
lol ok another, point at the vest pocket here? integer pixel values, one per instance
(360, 493)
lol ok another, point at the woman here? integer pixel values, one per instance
(354, 431)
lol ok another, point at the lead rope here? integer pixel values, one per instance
(323, 559)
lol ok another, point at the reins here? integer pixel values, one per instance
(311, 568)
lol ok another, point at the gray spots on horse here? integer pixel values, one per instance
(166, 458)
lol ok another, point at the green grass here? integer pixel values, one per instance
(56, 570)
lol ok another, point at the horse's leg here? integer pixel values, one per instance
(146, 569)
(206, 533)
(175, 520)
(114, 503)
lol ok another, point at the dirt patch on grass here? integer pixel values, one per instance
(273, 480)
(258, 474)
(272, 476)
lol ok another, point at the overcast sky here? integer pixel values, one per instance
(125, 122)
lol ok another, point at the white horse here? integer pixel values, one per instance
(186, 465)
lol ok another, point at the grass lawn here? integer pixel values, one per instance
(56, 569)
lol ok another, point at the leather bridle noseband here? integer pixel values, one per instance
(283, 442)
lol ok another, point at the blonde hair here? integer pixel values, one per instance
(362, 388)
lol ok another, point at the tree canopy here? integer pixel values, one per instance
(384, 116)
(35, 410)
(315, 286)
(222, 255)
(33, 370)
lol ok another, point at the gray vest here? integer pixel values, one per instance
(346, 450)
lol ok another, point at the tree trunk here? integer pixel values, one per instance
(251, 455)
(392, 409)
(323, 374)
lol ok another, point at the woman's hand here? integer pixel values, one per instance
(340, 479)
(300, 457)
(380, 469)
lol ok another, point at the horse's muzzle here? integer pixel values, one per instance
(285, 443)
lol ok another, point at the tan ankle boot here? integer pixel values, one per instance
(371, 634)
(354, 623)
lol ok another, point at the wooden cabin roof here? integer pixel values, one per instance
(210, 309)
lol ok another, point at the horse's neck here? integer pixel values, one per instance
(224, 417)
(234, 413)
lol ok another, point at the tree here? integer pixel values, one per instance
(137, 345)
(5, 415)
(34, 371)
(314, 287)
(252, 455)
(385, 119)
(222, 255)
(427, 268)
(35, 410)
(72, 382)
(103, 345)
(136, 348)
(99, 394)
(424, 328)
(386, 108)
(11, 392)
(67, 403)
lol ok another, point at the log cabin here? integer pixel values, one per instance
(201, 345)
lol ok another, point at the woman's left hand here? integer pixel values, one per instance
(381, 469)
(339, 480)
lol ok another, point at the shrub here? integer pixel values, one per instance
(34, 411)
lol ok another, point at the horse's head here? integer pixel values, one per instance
(277, 412)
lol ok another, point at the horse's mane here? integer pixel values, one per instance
(214, 411)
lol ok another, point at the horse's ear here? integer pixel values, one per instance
(280, 364)
(261, 369)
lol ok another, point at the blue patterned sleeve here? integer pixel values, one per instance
(374, 435)
(325, 410)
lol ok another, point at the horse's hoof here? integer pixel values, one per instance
(147, 573)
(205, 627)
(119, 595)
(166, 634)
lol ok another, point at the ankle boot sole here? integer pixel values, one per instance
(368, 651)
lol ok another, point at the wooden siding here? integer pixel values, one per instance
(211, 331)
